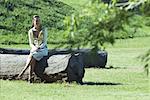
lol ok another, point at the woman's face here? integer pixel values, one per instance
(36, 22)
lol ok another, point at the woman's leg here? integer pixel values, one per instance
(28, 63)
(31, 69)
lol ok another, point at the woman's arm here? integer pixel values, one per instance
(44, 39)
(30, 35)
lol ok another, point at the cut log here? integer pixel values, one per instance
(58, 65)
(90, 58)
(50, 69)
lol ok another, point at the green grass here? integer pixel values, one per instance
(125, 57)
(77, 4)
(127, 82)
(18, 20)
(125, 53)
(140, 42)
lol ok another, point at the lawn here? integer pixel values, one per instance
(107, 84)
(126, 81)
(77, 4)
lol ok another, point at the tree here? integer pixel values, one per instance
(145, 58)
(96, 24)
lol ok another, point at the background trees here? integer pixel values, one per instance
(16, 16)
(99, 23)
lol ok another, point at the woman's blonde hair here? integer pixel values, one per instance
(35, 16)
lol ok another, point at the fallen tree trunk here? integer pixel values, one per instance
(90, 58)
(64, 67)
(58, 65)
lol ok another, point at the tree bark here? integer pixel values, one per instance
(54, 67)
(58, 65)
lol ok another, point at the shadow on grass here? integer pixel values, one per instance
(101, 83)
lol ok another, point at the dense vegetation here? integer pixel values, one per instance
(15, 16)
(98, 23)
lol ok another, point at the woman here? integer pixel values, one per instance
(38, 43)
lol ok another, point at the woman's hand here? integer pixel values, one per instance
(34, 48)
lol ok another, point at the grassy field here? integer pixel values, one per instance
(114, 84)
(107, 84)
(77, 4)
(124, 53)
(127, 81)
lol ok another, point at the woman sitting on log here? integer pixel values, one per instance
(38, 43)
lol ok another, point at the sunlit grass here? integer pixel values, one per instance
(77, 4)
(114, 84)
(139, 42)
(128, 82)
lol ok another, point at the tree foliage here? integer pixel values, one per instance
(95, 25)
(98, 23)
(16, 18)
(16, 15)
(146, 59)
